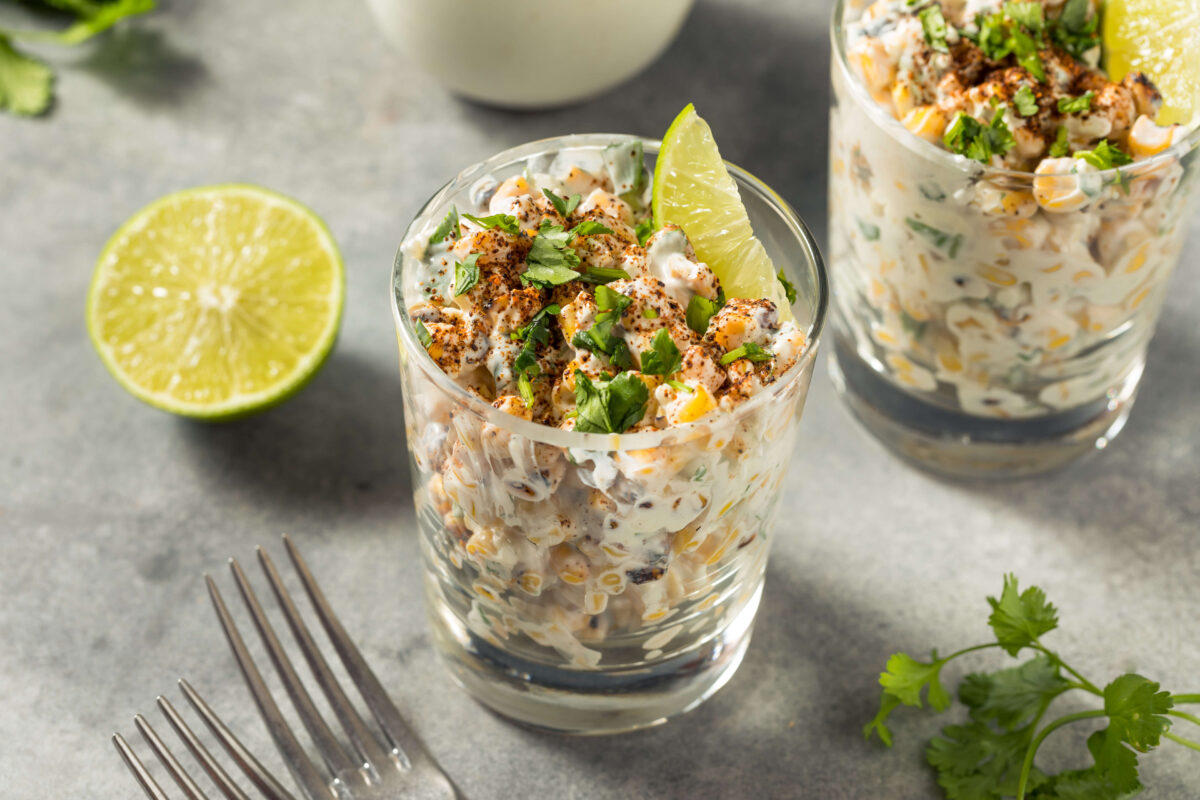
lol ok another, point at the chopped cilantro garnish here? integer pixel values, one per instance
(589, 227)
(600, 337)
(551, 260)
(870, 232)
(680, 386)
(525, 365)
(1074, 31)
(538, 328)
(789, 290)
(563, 207)
(649, 312)
(1061, 146)
(1025, 101)
(939, 238)
(664, 358)
(505, 222)
(749, 351)
(1017, 30)
(969, 137)
(466, 274)
(603, 275)
(423, 335)
(1075, 105)
(1028, 15)
(644, 230)
(934, 25)
(1105, 156)
(700, 310)
(447, 227)
(611, 407)
(1026, 50)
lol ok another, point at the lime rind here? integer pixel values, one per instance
(242, 404)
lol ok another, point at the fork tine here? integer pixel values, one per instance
(140, 774)
(294, 756)
(331, 750)
(168, 759)
(401, 736)
(258, 775)
(219, 776)
(364, 742)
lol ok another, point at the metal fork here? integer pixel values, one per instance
(255, 771)
(395, 769)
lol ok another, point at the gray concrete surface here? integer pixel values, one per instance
(110, 511)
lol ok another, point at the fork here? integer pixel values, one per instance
(392, 770)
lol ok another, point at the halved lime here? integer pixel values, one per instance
(694, 190)
(1162, 39)
(217, 301)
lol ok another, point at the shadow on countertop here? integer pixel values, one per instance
(338, 445)
(143, 64)
(768, 105)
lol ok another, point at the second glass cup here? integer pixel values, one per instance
(991, 322)
(586, 582)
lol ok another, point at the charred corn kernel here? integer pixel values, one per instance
(1057, 188)
(927, 122)
(531, 583)
(1148, 139)
(997, 276)
(696, 406)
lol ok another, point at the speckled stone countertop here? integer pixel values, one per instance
(110, 511)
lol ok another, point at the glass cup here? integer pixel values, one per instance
(585, 582)
(991, 322)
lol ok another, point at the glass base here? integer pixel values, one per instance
(590, 702)
(962, 446)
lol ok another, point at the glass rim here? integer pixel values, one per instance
(931, 151)
(676, 434)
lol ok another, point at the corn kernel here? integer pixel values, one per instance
(1148, 139)
(927, 122)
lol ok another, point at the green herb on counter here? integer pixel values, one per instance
(505, 222)
(936, 30)
(1025, 101)
(466, 274)
(613, 406)
(26, 82)
(938, 238)
(992, 756)
(664, 357)
(448, 227)
(563, 207)
(1075, 105)
(749, 351)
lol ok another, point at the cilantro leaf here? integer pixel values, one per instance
(888, 703)
(934, 25)
(1061, 146)
(664, 359)
(423, 335)
(975, 762)
(538, 328)
(905, 678)
(611, 407)
(699, 311)
(525, 365)
(551, 260)
(603, 275)
(589, 227)
(749, 351)
(563, 207)
(466, 274)
(101, 18)
(447, 227)
(870, 231)
(992, 37)
(644, 230)
(600, 338)
(505, 222)
(789, 291)
(1074, 31)
(1075, 105)
(969, 137)
(1025, 101)
(1135, 709)
(1019, 618)
(937, 237)
(1105, 156)
(26, 83)
(1114, 761)
(1011, 697)
(1074, 16)
(1026, 50)
(1028, 15)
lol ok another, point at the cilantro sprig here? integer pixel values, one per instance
(969, 137)
(1026, 102)
(1061, 145)
(612, 406)
(933, 24)
(505, 222)
(447, 227)
(466, 274)
(600, 338)
(700, 310)
(1105, 156)
(992, 756)
(664, 357)
(749, 351)
(1075, 105)
(563, 206)
(26, 82)
(534, 334)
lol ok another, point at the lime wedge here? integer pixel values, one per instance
(218, 301)
(1162, 39)
(694, 190)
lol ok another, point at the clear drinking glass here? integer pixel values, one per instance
(977, 332)
(589, 582)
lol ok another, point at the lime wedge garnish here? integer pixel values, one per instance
(1162, 39)
(694, 190)
(218, 301)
